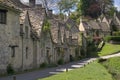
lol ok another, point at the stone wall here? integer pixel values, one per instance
(9, 37)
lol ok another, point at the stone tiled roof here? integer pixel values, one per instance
(9, 3)
(104, 27)
(22, 16)
(19, 4)
(72, 26)
(86, 26)
(93, 24)
(54, 30)
(36, 19)
(36, 16)
(62, 31)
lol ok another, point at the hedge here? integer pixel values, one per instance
(116, 33)
(112, 38)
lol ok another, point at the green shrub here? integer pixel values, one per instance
(10, 69)
(46, 26)
(52, 65)
(116, 33)
(43, 65)
(113, 38)
(60, 61)
(101, 60)
(113, 66)
(71, 58)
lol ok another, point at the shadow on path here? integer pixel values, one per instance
(51, 71)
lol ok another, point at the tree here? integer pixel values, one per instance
(89, 8)
(66, 6)
(94, 8)
(106, 5)
(82, 7)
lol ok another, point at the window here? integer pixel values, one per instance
(26, 31)
(13, 51)
(26, 52)
(3, 16)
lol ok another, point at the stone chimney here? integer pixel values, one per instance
(50, 15)
(32, 3)
(39, 6)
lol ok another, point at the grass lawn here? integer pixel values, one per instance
(109, 49)
(113, 66)
(93, 71)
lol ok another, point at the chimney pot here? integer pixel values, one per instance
(32, 3)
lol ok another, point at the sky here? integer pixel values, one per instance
(117, 3)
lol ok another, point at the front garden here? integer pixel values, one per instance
(105, 70)
(109, 49)
(93, 71)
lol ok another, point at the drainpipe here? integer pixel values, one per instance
(22, 53)
(22, 36)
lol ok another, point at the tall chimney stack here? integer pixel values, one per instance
(32, 3)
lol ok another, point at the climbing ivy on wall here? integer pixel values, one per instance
(46, 26)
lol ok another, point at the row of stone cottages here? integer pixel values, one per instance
(97, 29)
(103, 26)
(26, 42)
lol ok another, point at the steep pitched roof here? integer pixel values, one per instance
(54, 30)
(9, 4)
(71, 25)
(19, 4)
(23, 16)
(104, 26)
(86, 25)
(93, 24)
(36, 19)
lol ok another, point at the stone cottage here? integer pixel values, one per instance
(29, 36)
(9, 36)
(94, 28)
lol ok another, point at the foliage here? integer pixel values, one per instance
(112, 38)
(113, 66)
(94, 8)
(109, 49)
(93, 71)
(43, 65)
(83, 6)
(89, 8)
(71, 58)
(114, 28)
(75, 16)
(100, 60)
(10, 69)
(68, 26)
(106, 5)
(46, 26)
(117, 33)
(62, 16)
(60, 61)
(112, 11)
(66, 5)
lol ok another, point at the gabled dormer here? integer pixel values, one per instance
(25, 28)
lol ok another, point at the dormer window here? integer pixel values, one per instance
(3, 16)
